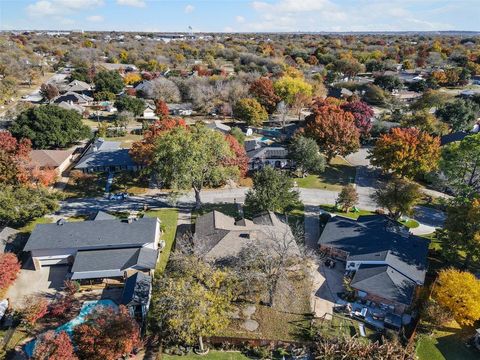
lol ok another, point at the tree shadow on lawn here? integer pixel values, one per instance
(453, 346)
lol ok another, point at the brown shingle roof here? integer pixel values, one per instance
(49, 158)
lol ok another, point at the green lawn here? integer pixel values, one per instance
(28, 228)
(212, 355)
(337, 174)
(127, 140)
(343, 327)
(85, 185)
(447, 345)
(352, 215)
(168, 218)
(129, 182)
(411, 224)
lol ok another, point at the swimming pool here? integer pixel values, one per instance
(87, 308)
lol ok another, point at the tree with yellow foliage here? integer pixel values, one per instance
(459, 292)
(132, 78)
(288, 87)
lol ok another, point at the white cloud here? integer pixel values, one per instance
(134, 3)
(329, 15)
(95, 18)
(60, 7)
(189, 9)
(240, 19)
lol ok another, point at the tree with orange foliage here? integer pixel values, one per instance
(9, 269)
(333, 129)
(107, 334)
(14, 159)
(161, 109)
(53, 346)
(34, 309)
(406, 152)
(262, 89)
(240, 158)
(142, 151)
(44, 177)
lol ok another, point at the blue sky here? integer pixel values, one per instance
(241, 15)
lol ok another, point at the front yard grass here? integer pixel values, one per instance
(85, 185)
(129, 182)
(336, 175)
(447, 344)
(351, 214)
(168, 220)
(339, 326)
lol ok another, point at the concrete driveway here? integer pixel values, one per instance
(326, 284)
(46, 281)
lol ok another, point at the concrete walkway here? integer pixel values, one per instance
(312, 226)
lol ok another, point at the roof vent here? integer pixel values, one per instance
(60, 222)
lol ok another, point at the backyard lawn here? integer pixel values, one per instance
(448, 344)
(168, 219)
(337, 174)
(28, 228)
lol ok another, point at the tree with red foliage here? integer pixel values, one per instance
(334, 131)
(53, 346)
(362, 113)
(406, 152)
(14, 158)
(161, 109)
(34, 309)
(262, 89)
(142, 151)
(240, 159)
(9, 268)
(44, 177)
(107, 334)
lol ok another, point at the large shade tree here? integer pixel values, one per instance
(406, 152)
(250, 111)
(50, 126)
(363, 115)
(53, 346)
(461, 164)
(333, 129)
(458, 291)
(193, 300)
(107, 334)
(459, 114)
(262, 90)
(398, 196)
(110, 81)
(9, 269)
(272, 191)
(193, 157)
(306, 155)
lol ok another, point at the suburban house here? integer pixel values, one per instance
(219, 236)
(149, 112)
(108, 156)
(77, 86)
(59, 160)
(389, 264)
(72, 98)
(97, 249)
(71, 106)
(219, 126)
(181, 109)
(261, 155)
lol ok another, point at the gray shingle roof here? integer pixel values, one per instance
(137, 289)
(114, 259)
(103, 153)
(269, 152)
(93, 234)
(384, 280)
(371, 238)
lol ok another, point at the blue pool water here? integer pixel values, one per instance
(68, 327)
